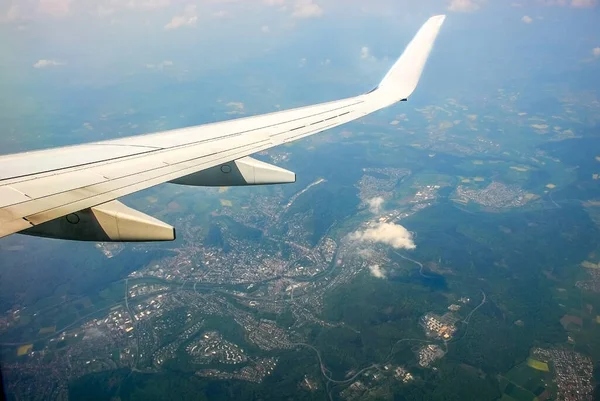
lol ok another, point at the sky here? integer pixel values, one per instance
(67, 66)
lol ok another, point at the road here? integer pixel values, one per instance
(415, 262)
(468, 318)
(324, 369)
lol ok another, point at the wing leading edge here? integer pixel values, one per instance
(39, 187)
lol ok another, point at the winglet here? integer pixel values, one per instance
(401, 80)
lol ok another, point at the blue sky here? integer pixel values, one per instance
(68, 63)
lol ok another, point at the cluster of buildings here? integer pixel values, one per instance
(169, 351)
(137, 290)
(354, 391)
(255, 373)
(439, 326)
(268, 336)
(327, 248)
(572, 373)
(495, 195)
(426, 193)
(593, 284)
(152, 307)
(379, 182)
(429, 353)
(211, 346)
(118, 322)
(403, 375)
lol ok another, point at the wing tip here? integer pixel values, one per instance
(439, 19)
(402, 78)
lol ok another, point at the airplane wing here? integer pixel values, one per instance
(72, 192)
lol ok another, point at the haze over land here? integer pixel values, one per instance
(445, 248)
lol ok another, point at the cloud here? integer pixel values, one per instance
(161, 65)
(387, 233)
(375, 204)
(189, 18)
(103, 11)
(43, 63)
(527, 19)
(274, 2)
(237, 107)
(302, 63)
(144, 3)
(365, 253)
(583, 3)
(219, 14)
(12, 14)
(265, 29)
(377, 271)
(571, 3)
(596, 51)
(463, 6)
(307, 9)
(56, 8)
(365, 52)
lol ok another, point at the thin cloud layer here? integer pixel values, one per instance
(375, 204)
(391, 234)
(596, 51)
(57, 8)
(527, 19)
(161, 65)
(583, 3)
(377, 271)
(463, 6)
(570, 3)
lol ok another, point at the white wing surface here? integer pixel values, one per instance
(50, 192)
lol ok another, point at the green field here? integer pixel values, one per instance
(538, 365)
(525, 381)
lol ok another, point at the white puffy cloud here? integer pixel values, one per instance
(527, 19)
(463, 6)
(307, 9)
(188, 18)
(43, 63)
(387, 233)
(377, 271)
(596, 51)
(375, 204)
